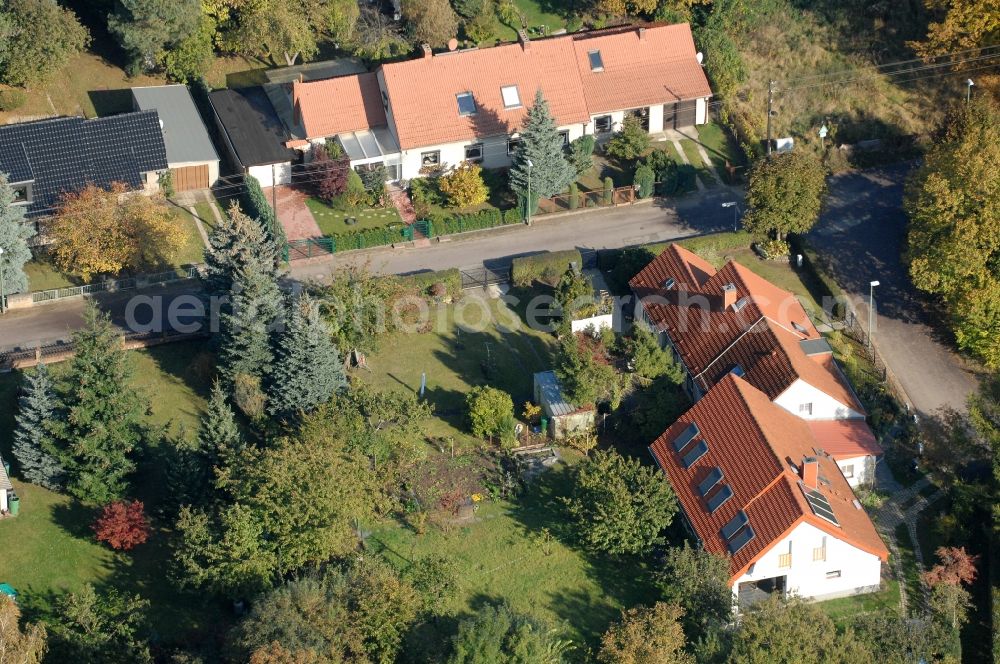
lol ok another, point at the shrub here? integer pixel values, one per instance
(445, 224)
(11, 100)
(355, 194)
(609, 188)
(547, 267)
(464, 186)
(574, 196)
(370, 237)
(488, 411)
(373, 178)
(122, 525)
(327, 173)
(774, 249)
(581, 154)
(630, 142)
(333, 148)
(249, 397)
(255, 205)
(644, 179)
(427, 282)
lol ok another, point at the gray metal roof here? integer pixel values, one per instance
(184, 132)
(815, 346)
(551, 394)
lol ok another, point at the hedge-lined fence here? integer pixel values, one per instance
(442, 283)
(255, 204)
(371, 237)
(547, 267)
(448, 224)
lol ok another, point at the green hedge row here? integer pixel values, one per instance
(371, 237)
(425, 281)
(255, 205)
(447, 224)
(547, 267)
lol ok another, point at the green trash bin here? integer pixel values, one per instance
(545, 425)
(14, 503)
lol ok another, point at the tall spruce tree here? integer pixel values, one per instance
(14, 236)
(219, 439)
(34, 445)
(246, 342)
(103, 413)
(238, 242)
(541, 145)
(308, 370)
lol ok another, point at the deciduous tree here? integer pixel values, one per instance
(104, 232)
(328, 174)
(100, 627)
(191, 57)
(432, 22)
(464, 186)
(618, 505)
(960, 25)
(490, 412)
(358, 306)
(145, 28)
(103, 413)
(19, 645)
(698, 582)
(14, 236)
(785, 194)
(630, 141)
(496, 633)
(308, 370)
(954, 230)
(34, 445)
(645, 635)
(122, 525)
(582, 378)
(39, 37)
(542, 146)
(574, 290)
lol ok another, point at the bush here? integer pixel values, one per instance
(427, 282)
(490, 411)
(464, 186)
(445, 224)
(574, 196)
(548, 267)
(333, 148)
(255, 205)
(371, 237)
(644, 180)
(373, 178)
(11, 100)
(609, 188)
(772, 249)
(122, 525)
(581, 154)
(356, 195)
(630, 142)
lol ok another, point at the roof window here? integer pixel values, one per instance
(669, 283)
(466, 103)
(686, 437)
(740, 303)
(707, 484)
(596, 61)
(721, 496)
(698, 451)
(511, 97)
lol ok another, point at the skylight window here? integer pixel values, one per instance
(686, 437)
(669, 283)
(740, 303)
(511, 97)
(596, 62)
(466, 103)
(720, 497)
(800, 328)
(698, 451)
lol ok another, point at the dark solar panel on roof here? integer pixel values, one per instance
(686, 437)
(713, 478)
(820, 505)
(719, 497)
(695, 453)
(734, 524)
(741, 540)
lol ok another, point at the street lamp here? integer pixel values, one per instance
(736, 209)
(871, 309)
(527, 203)
(968, 89)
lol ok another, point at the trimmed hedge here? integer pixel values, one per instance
(425, 281)
(371, 237)
(256, 206)
(445, 224)
(547, 267)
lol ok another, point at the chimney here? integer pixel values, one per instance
(810, 472)
(522, 37)
(642, 33)
(427, 50)
(728, 296)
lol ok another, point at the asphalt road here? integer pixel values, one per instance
(602, 229)
(863, 232)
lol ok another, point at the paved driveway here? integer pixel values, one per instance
(863, 232)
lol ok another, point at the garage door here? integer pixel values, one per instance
(687, 113)
(190, 177)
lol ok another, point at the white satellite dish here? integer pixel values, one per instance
(700, 56)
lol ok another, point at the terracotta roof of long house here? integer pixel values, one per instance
(845, 439)
(755, 444)
(337, 105)
(642, 66)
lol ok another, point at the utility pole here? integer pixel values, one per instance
(274, 197)
(770, 102)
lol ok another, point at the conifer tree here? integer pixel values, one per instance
(103, 413)
(246, 342)
(542, 145)
(14, 235)
(34, 446)
(308, 370)
(219, 439)
(238, 242)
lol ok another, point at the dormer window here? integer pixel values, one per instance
(22, 193)
(511, 97)
(596, 62)
(466, 103)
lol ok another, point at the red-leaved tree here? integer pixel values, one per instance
(956, 567)
(122, 525)
(327, 176)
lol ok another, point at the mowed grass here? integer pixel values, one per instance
(50, 547)
(504, 555)
(331, 218)
(192, 251)
(535, 14)
(476, 341)
(843, 609)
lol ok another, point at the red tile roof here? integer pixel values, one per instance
(642, 67)
(337, 105)
(845, 439)
(754, 442)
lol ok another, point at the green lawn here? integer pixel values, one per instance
(694, 158)
(44, 275)
(845, 608)
(501, 556)
(465, 341)
(330, 218)
(535, 16)
(720, 145)
(193, 250)
(908, 562)
(204, 211)
(780, 274)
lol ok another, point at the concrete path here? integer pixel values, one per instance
(683, 155)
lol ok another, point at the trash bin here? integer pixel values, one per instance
(545, 425)
(14, 503)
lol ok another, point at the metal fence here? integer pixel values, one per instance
(112, 285)
(55, 350)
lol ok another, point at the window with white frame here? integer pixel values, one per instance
(848, 470)
(596, 61)
(512, 145)
(806, 408)
(432, 158)
(835, 574)
(474, 152)
(603, 124)
(511, 97)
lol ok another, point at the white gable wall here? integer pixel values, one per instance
(859, 571)
(858, 470)
(824, 407)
